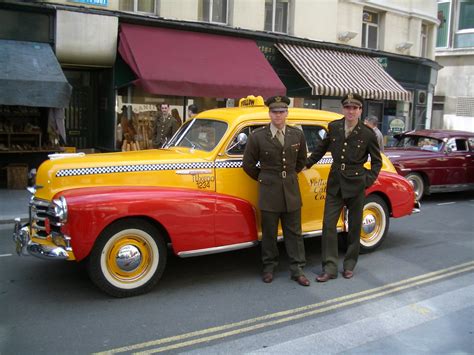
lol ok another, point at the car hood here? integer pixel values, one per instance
(155, 167)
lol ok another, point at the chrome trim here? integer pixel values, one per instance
(193, 172)
(21, 237)
(416, 208)
(214, 250)
(46, 252)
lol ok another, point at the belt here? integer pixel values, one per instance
(283, 174)
(344, 166)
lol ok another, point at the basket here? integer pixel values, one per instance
(17, 176)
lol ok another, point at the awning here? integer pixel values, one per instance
(30, 75)
(336, 73)
(183, 63)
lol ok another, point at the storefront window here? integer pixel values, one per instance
(276, 15)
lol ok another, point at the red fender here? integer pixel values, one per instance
(398, 190)
(193, 219)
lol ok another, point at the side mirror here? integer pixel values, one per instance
(448, 150)
(241, 140)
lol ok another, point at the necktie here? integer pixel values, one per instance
(280, 137)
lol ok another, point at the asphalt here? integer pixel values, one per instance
(14, 204)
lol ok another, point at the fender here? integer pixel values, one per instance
(192, 219)
(398, 190)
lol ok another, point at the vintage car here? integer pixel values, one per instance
(124, 212)
(435, 160)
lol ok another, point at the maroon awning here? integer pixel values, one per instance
(183, 63)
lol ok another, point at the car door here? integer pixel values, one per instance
(313, 182)
(457, 164)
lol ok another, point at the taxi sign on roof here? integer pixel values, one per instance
(251, 101)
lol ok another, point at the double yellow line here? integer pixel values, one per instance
(249, 325)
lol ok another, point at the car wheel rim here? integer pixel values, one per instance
(129, 259)
(373, 224)
(417, 185)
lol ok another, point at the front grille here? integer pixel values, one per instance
(40, 210)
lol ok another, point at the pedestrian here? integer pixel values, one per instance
(166, 125)
(192, 111)
(372, 122)
(281, 152)
(350, 143)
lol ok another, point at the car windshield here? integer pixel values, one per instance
(420, 142)
(202, 134)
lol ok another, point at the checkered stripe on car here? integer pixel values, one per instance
(132, 168)
(158, 167)
(228, 164)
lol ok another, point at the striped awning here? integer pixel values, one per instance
(336, 73)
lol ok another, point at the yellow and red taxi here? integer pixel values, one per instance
(124, 212)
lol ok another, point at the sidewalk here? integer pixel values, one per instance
(13, 204)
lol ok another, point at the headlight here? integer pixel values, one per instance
(60, 208)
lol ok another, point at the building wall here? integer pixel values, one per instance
(323, 20)
(249, 14)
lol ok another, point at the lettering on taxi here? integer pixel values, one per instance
(203, 182)
(319, 188)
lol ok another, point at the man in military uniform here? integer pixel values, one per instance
(281, 152)
(166, 126)
(350, 142)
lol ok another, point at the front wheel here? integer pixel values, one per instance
(128, 258)
(375, 223)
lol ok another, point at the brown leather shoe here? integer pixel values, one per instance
(325, 277)
(267, 277)
(302, 280)
(347, 274)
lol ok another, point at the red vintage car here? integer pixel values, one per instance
(435, 160)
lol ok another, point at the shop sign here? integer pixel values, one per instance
(268, 50)
(397, 125)
(92, 2)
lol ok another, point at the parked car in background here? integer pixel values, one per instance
(435, 160)
(124, 212)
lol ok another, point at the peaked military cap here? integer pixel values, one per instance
(352, 99)
(278, 103)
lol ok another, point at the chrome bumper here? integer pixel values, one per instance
(24, 245)
(416, 208)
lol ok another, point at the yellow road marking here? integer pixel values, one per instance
(290, 315)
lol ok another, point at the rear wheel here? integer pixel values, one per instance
(375, 223)
(128, 258)
(418, 184)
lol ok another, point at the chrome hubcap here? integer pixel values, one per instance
(369, 223)
(128, 258)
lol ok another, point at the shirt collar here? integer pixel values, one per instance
(274, 130)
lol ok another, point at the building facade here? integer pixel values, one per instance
(454, 96)
(123, 58)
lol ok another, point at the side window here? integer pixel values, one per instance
(457, 145)
(314, 135)
(238, 149)
(471, 144)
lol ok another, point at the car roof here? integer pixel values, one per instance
(236, 115)
(439, 133)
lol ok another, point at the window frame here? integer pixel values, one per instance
(447, 23)
(365, 29)
(135, 8)
(287, 25)
(211, 9)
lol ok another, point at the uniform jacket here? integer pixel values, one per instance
(166, 126)
(277, 172)
(349, 155)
